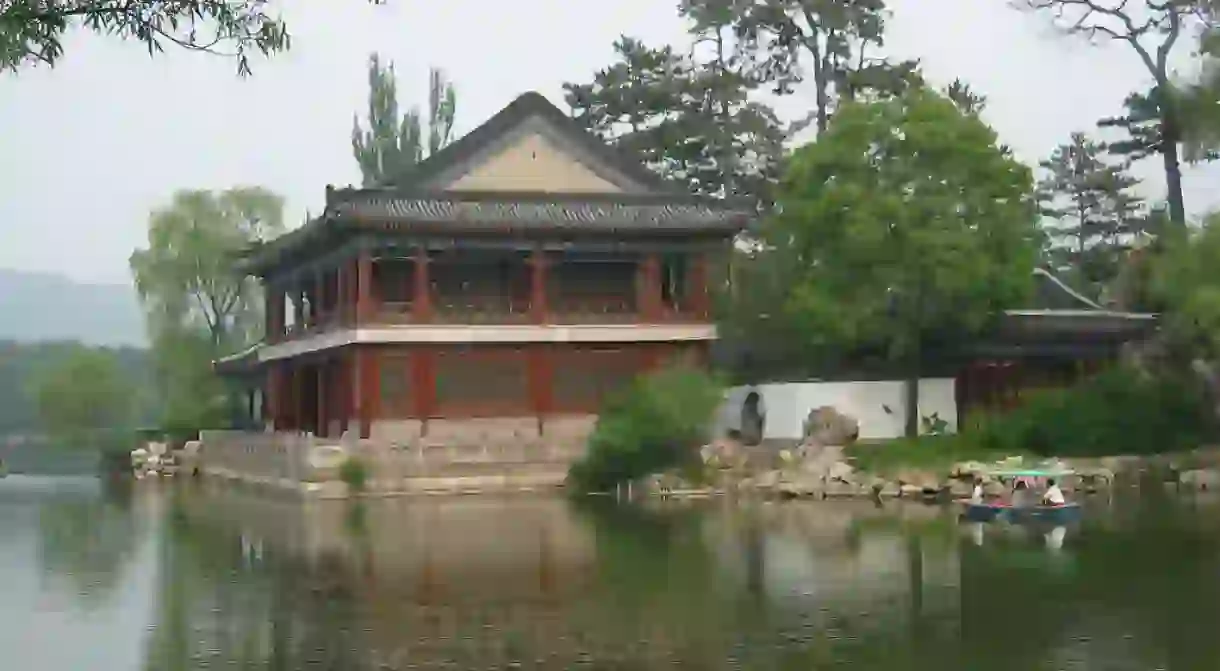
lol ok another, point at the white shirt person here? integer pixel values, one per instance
(1054, 495)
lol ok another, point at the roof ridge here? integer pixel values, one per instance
(525, 105)
(1043, 272)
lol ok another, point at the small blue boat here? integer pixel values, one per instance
(988, 512)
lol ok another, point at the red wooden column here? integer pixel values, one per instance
(320, 389)
(421, 296)
(366, 392)
(294, 395)
(538, 273)
(648, 288)
(700, 296)
(364, 287)
(352, 387)
(423, 381)
(541, 366)
(273, 304)
(273, 396)
(343, 390)
(342, 280)
(316, 312)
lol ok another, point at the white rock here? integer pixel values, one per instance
(840, 471)
(1202, 478)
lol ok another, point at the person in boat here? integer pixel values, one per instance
(1054, 495)
(976, 494)
(1021, 494)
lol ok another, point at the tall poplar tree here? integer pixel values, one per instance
(392, 144)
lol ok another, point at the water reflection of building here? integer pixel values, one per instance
(481, 581)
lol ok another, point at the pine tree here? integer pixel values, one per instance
(830, 44)
(1089, 215)
(689, 118)
(393, 145)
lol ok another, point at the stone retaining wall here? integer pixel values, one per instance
(474, 455)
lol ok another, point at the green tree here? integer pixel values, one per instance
(689, 119)
(188, 279)
(200, 304)
(32, 31)
(393, 144)
(1090, 216)
(658, 423)
(965, 97)
(830, 42)
(1184, 280)
(1152, 29)
(904, 219)
(82, 396)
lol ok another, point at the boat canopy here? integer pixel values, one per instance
(1030, 473)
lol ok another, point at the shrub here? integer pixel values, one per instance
(1119, 411)
(658, 423)
(354, 473)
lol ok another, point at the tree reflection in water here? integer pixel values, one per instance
(88, 544)
(690, 586)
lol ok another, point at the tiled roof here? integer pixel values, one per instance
(587, 215)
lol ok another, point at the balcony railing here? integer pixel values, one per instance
(592, 310)
(481, 309)
(497, 310)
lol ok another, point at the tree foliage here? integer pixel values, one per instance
(1184, 279)
(1152, 29)
(903, 219)
(1090, 216)
(31, 31)
(393, 144)
(187, 277)
(82, 394)
(200, 305)
(832, 44)
(657, 424)
(688, 118)
(21, 364)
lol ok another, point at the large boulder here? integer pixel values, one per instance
(828, 427)
(1203, 478)
(323, 462)
(723, 453)
(801, 485)
(967, 469)
(841, 471)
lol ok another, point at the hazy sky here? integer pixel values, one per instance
(90, 147)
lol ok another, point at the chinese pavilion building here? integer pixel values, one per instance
(499, 292)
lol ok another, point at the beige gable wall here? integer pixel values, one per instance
(532, 164)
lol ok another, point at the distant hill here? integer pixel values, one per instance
(37, 307)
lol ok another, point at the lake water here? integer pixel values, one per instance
(180, 577)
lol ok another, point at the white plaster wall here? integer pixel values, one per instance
(786, 404)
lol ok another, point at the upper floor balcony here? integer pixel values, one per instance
(492, 287)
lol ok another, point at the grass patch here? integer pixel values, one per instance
(926, 453)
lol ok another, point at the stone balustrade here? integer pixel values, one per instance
(493, 454)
